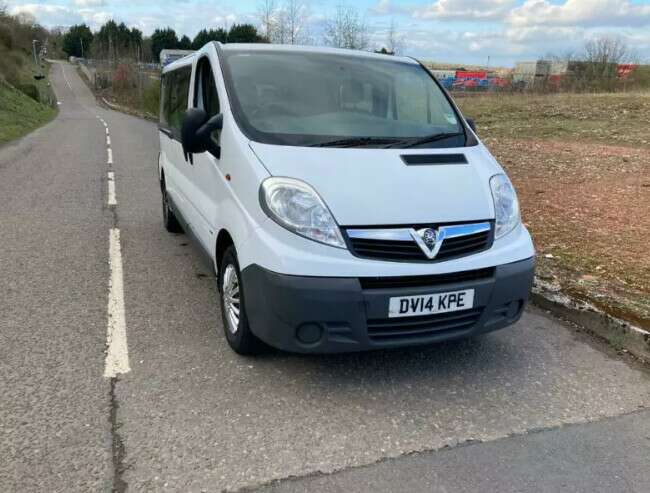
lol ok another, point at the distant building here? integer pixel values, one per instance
(474, 74)
(169, 56)
(531, 73)
(443, 74)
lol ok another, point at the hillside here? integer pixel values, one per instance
(20, 114)
(25, 102)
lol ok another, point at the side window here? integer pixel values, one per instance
(162, 120)
(166, 83)
(178, 93)
(205, 90)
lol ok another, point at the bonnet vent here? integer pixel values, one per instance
(433, 159)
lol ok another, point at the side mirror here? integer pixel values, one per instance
(196, 132)
(472, 124)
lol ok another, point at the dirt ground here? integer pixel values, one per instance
(581, 166)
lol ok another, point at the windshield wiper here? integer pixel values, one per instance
(404, 143)
(355, 141)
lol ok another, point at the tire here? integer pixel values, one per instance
(169, 218)
(237, 331)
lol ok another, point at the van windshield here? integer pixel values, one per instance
(301, 98)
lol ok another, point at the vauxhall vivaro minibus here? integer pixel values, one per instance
(344, 201)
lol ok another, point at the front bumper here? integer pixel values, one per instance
(342, 314)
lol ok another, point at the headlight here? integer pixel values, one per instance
(506, 205)
(297, 207)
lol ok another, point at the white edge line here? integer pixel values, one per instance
(108, 140)
(107, 132)
(110, 155)
(112, 200)
(117, 351)
(66, 77)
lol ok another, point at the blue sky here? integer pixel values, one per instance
(459, 31)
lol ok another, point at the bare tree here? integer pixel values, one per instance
(286, 24)
(606, 50)
(266, 11)
(394, 41)
(601, 58)
(346, 30)
(296, 14)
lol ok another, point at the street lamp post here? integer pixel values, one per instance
(39, 74)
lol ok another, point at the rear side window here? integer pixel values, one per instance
(205, 91)
(174, 93)
(164, 99)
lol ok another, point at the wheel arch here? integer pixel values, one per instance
(224, 240)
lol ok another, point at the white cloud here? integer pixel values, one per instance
(49, 14)
(95, 19)
(586, 13)
(475, 10)
(383, 7)
(387, 7)
(89, 3)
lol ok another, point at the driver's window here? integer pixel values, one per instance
(205, 90)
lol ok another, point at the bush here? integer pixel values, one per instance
(30, 90)
(6, 39)
(151, 99)
(122, 78)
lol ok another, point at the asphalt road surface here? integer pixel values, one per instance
(537, 407)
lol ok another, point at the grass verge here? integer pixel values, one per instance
(581, 166)
(20, 114)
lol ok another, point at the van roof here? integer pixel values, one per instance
(311, 49)
(186, 60)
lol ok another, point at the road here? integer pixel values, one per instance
(537, 407)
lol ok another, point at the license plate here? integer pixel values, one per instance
(427, 304)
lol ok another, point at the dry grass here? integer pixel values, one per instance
(581, 164)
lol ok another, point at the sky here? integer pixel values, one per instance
(454, 31)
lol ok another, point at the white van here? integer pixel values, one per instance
(343, 200)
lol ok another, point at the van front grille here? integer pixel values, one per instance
(421, 327)
(396, 245)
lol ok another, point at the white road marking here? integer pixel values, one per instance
(65, 77)
(107, 131)
(117, 352)
(111, 189)
(110, 155)
(108, 139)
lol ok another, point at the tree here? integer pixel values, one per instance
(135, 42)
(77, 41)
(346, 30)
(394, 41)
(245, 33)
(205, 36)
(162, 39)
(185, 43)
(267, 12)
(601, 58)
(286, 24)
(292, 22)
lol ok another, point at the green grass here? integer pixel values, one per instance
(20, 114)
(18, 69)
(611, 118)
(25, 103)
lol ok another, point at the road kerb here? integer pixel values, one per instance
(618, 332)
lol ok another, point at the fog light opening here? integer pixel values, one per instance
(309, 333)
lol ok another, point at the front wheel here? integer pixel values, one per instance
(233, 307)
(169, 218)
